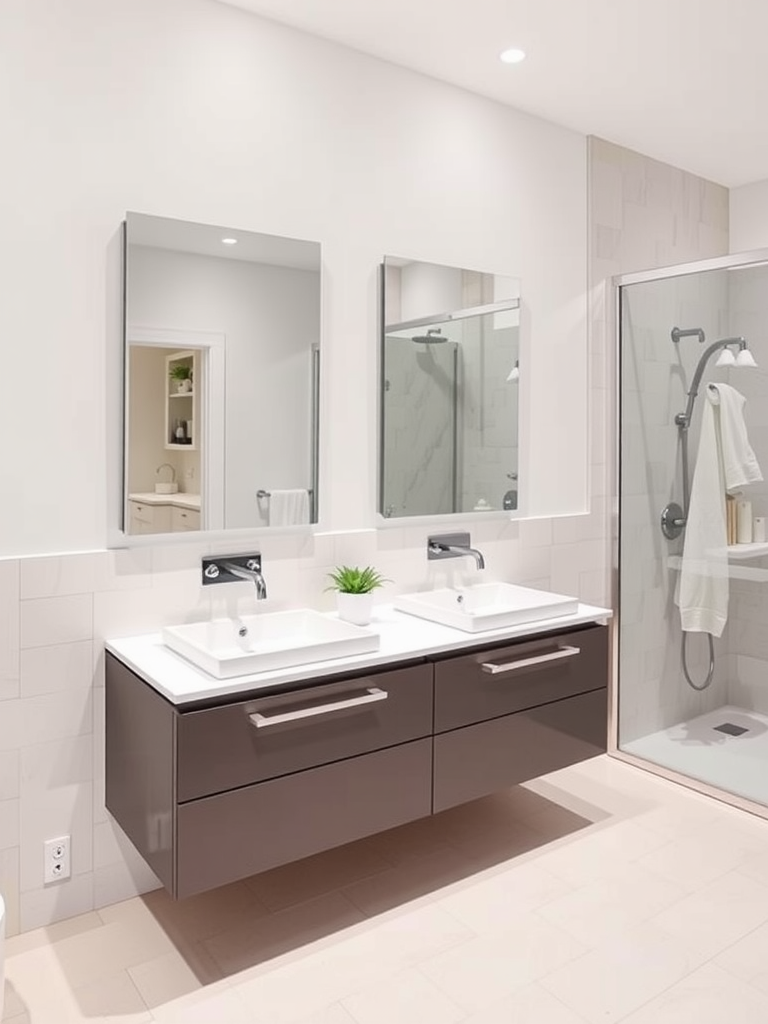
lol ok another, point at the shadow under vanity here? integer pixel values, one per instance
(216, 788)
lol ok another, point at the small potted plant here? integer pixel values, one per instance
(182, 375)
(354, 592)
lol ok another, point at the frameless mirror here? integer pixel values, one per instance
(222, 335)
(449, 382)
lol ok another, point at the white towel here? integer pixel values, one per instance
(288, 508)
(739, 463)
(725, 461)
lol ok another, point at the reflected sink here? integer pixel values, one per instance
(273, 641)
(486, 606)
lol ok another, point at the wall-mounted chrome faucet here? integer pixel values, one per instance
(232, 568)
(453, 545)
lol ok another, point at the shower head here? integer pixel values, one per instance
(432, 337)
(743, 357)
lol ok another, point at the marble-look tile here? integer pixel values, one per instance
(60, 575)
(483, 970)
(46, 621)
(9, 628)
(58, 667)
(707, 996)
(716, 915)
(302, 880)
(407, 996)
(529, 1005)
(9, 774)
(615, 979)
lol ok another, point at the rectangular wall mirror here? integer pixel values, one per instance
(449, 383)
(222, 343)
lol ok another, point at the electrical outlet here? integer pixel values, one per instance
(57, 864)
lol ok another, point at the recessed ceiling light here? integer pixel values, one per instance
(512, 56)
(229, 241)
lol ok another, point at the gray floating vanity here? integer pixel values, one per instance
(215, 780)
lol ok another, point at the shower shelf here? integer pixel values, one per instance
(736, 553)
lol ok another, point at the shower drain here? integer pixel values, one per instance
(730, 729)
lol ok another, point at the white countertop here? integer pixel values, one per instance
(178, 499)
(402, 637)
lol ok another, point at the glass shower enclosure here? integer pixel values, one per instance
(696, 712)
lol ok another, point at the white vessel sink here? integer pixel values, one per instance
(486, 606)
(272, 641)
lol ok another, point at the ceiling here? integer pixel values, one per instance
(684, 81)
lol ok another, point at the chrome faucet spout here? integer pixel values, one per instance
(231, 568)
(453, 545)
(251, 572)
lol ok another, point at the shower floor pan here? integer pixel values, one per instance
(726, 748)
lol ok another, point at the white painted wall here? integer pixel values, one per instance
(270, 318)
(199, 111)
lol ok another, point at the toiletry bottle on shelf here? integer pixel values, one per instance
(179, 432)
(743, 522)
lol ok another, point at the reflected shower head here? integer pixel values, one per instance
(743, 357)
(432, 337)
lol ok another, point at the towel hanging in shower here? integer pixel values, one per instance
(725, 461)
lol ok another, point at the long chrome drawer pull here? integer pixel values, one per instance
(372, 694)
(511, 666)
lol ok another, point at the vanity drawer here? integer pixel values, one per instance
(262, 738)
(149, 518)
(497, 681)
(184, 519)
(481, 759)
(233, 835)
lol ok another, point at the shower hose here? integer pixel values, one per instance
(710, 670)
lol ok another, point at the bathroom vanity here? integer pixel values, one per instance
(215, 780)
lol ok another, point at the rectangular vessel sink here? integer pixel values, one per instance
(486, 606)
(272, 641)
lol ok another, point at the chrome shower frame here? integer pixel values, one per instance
(613, 317)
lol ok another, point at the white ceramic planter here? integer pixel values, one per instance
(355, 608)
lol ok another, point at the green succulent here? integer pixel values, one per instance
(352, 580)
(180, 372)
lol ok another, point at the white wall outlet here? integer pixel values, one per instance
(57, 859)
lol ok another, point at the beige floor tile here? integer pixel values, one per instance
(409, 842)
(303, 880)
(127, 940)
(704, 854)
(422, 879)
(625, 896)
(484, 970)
(335, 1014)
(216, 1004)
(707, 996)
(263, 939)
(114, 998)
(747, 959)
(289, 990)
(40, 937)
(205, 915)
(407, 996)
(164, 979)
(613, 980)
(48, 995)
(493, 902)
(717, 915)
(586, 857)
(529, 1005)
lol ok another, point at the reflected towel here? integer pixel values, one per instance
(725, 461)
(289, 508)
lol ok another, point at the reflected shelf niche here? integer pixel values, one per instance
(181, 405)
